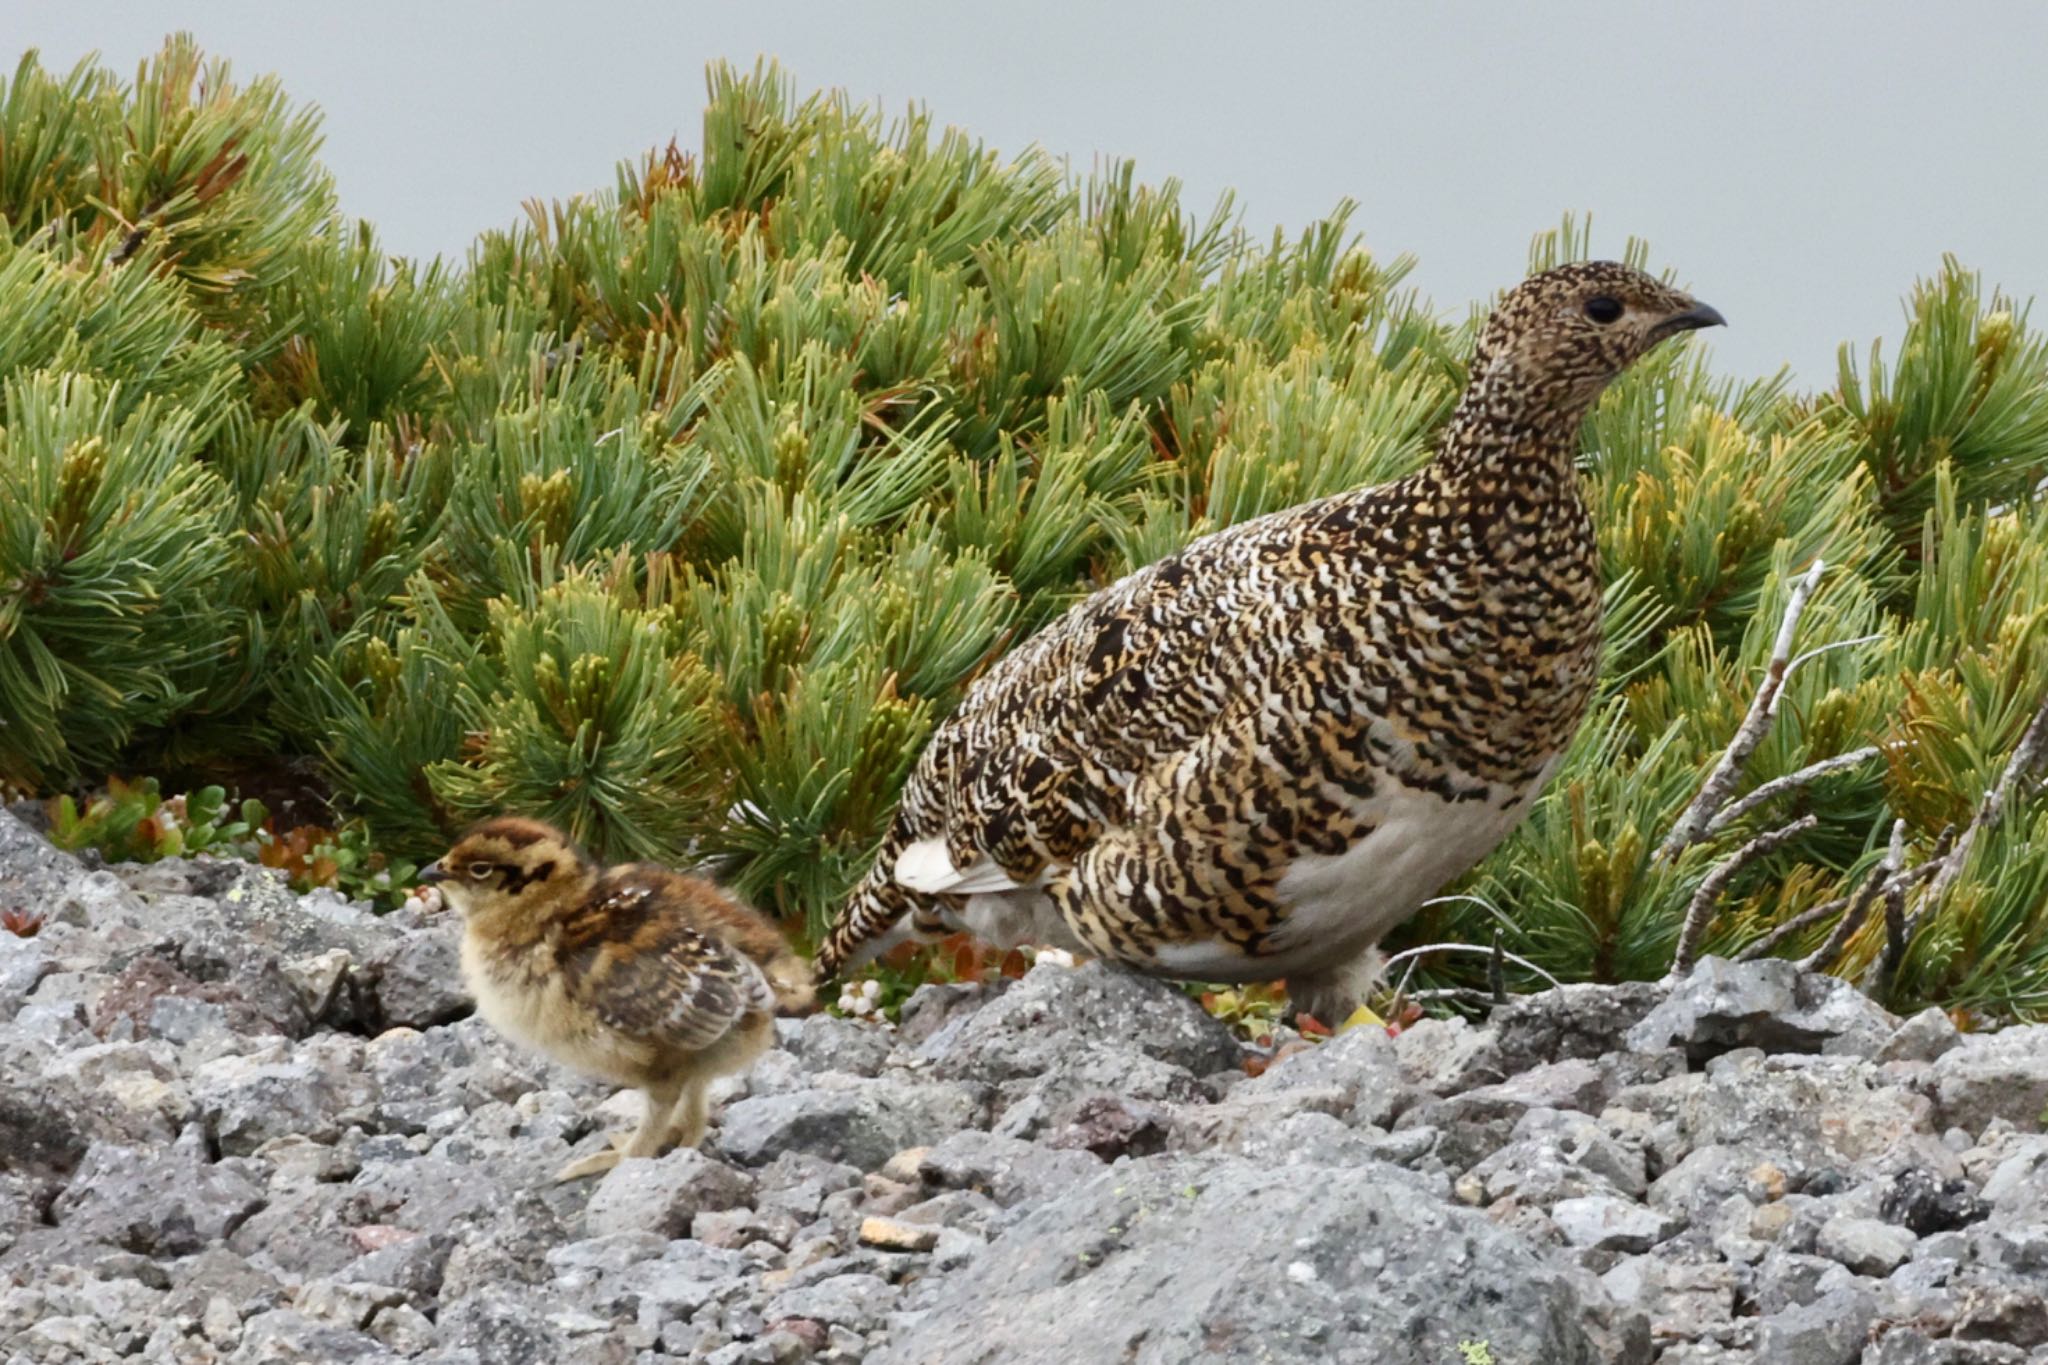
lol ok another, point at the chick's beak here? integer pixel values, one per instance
(433, 872)
(1692, 319)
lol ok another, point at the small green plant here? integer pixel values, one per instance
(1475, 1353)
(132, 822)
(345, 860)
(895, 977)
(1252, 1010)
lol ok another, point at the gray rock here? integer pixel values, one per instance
(1906, 1346)
(183, 1020)
(2018, 1181)
(1770, 1004)
(24, 962)
(1865, 1245)
(506, 1325)
(1579, 1021)
(1037, 1024)
(413, 1267)
(1446, 1056)
(1988, 1076)
(1806, 1115)
(1829, 1331)
(821, 1042)
(663, 1194)
(1922, 1038)
(2004, 1310)
(862, 1122)
(1110, 1126)
(1682, 1298)
(35, 875)
(856, 1301)
(1788, 1279)
(1088, 1075)
(249, 1102)
(1358, 1064)
(418, 979)
(682, 1282)
(1925, 1203)
(1008, 1170)
(1296, 1264)
(43, 1139)
(1606, 1223)
(166, 1203)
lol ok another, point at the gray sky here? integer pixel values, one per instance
(1797, 165)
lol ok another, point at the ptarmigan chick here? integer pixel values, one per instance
(1255, 757)
(635, 974)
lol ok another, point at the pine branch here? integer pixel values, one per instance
(1691, 826)
(1700, 913)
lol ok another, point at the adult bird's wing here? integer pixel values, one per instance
(649, 974)
(1041, 756)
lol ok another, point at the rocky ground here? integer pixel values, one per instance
(240, 1125)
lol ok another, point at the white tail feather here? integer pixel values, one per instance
(926, 867)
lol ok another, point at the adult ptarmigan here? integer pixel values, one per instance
(1255, 757)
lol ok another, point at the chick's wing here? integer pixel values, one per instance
(644, 970)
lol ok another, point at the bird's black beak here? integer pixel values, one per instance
(1692, 319)
(431, 873)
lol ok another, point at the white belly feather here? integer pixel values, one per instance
(1338, 905)
(1419, 842)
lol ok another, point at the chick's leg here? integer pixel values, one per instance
(686, 1126)
(652, 1134)
(646, 1140)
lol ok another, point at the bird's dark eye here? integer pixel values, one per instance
(1602, 309)
(479, 871)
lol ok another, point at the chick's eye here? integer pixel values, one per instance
(1602, 309)
(479, 871)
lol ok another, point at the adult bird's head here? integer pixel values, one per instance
(1560, 337)
(510, 870)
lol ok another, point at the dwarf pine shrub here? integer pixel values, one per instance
(682, 511)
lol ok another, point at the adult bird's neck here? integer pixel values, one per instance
(1498, 441)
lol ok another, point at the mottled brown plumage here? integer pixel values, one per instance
(1255, 757)
(636, 974)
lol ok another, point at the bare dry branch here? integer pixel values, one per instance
(1701, 912)
(1806, 919)
(1518, 960)
(1878, 882)
(1471, 993)
(1815, 653)
(1691, 826)
(1898, 931)
(1778, 786)
(2026, 757)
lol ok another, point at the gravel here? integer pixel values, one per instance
(246, 1126)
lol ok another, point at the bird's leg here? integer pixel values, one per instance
(646, 1140)
(1333, 994)
(686, 1126)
